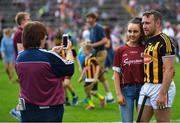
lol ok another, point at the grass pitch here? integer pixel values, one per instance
(9, 99)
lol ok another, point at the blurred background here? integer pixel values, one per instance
(68, 16)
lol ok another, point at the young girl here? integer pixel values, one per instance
(7, 52)
(128, 70)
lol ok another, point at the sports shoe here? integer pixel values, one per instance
(89, 107)
(15, 114)
(110, 101)
(102, 102)
(84, 101)
(75, 101)
(67, 103)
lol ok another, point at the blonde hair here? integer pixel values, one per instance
(7, 32)
(87, 47)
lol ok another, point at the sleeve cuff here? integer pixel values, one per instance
(117, 69)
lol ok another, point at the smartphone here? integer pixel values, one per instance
(65, 40)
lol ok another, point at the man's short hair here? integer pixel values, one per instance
(157, 15)
(92, 15)
(20, 16)
(33, 33)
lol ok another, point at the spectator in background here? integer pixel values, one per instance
(2, 21)
(168, 30)
(128, 70)
(23, 5)
(117, 37)
(177, 38)
(98, 41)
(108, 46)
(44, 11)
(7, 52)
(85, 39)
(178, 11)
(86, 33)
(1, 36)
(41, 88)
(21, 19)
(62, 7)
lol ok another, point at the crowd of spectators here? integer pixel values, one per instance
(71, 15)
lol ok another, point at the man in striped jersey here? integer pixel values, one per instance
(158, 70)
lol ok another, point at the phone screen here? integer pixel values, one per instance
(65, 41)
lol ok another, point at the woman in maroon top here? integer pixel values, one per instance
(128, 70)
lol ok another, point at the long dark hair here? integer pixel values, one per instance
(138, 20)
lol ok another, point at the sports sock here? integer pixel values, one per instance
(67, 99)
(109, 95)
(99, 96)
(73, 94)
(90, 102)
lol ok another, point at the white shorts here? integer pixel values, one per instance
(152, 90)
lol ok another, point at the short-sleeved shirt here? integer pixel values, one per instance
(81, 57)
(41, 74)
(96, 34)
(156, 48)
(90, 68)
(7, 49)
(17, 39)
(128, 61)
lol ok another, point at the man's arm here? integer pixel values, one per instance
(99, 43)
(168, 63)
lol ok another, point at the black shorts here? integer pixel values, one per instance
(95, 87)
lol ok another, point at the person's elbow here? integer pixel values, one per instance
(70, 70)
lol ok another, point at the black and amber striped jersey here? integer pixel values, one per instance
(156, 48)
(63, 53)
(90, 68)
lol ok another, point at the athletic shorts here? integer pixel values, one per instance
(95, 87)
(152, 90)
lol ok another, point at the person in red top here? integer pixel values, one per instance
(21, 19)
(128, 70)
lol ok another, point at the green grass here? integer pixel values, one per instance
(9, 99)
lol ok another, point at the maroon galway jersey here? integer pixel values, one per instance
(17, 39)
(128, 61)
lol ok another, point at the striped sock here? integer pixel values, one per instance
(90, 102)
(98, 95)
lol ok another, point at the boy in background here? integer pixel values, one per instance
(91, 70)
(67, 85)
